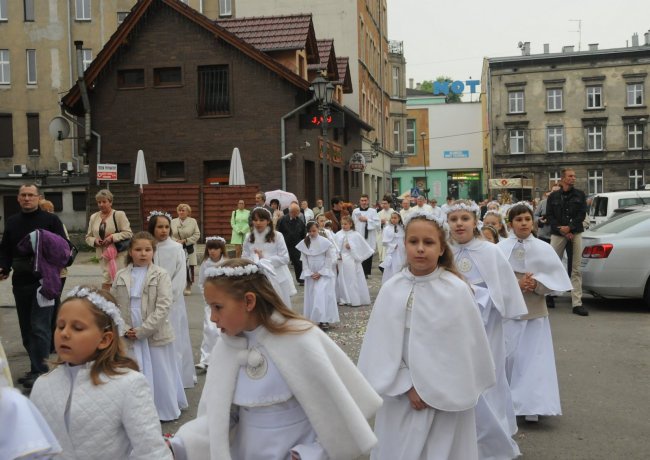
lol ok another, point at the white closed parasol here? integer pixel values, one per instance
(140, 171)
(236, 169)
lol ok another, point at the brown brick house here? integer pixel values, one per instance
(175, 84)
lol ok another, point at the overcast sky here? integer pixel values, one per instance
(451, 38)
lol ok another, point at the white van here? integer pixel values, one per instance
(603, 204)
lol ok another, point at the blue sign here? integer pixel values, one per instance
(415, 192)
(456, 154)
(456, 87)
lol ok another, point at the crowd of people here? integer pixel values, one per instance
(458, 344)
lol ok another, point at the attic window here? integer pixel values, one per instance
(167, 76)
(130, 78)
(213, 91)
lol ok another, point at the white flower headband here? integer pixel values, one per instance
(153, 214)
(523, 203)
(263, 209)
(493, 213)
(100, 302)
(215, 238)
(262, 266)
(428, 215)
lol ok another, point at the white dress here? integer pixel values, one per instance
(320, 295)
(158, 364)
(277, 253)
(368, 230)
(170, 256)
(395, 254)
(496, 422)
(210, 330)
(352, 287)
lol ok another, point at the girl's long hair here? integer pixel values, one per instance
(214, 244)
(310, 224)
(502, 231)
(446, 260)
(476, 231)
(348, 219)
(267, 300)
(262, 214)
(112, 360)
(151, 226)
(140, 236)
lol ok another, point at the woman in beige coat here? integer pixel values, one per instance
(185, 230)
(106, 228)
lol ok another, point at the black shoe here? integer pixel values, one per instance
(24, 378)
(580, 310)
(29, 382)
(550, 302)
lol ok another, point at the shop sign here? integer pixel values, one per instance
(106, 171)
(506, 183)
(334, 151)
(357, 163)
(456, 87)
(455, 154)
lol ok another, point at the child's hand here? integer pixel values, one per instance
(131, 334)
(315, 276)
(347, 246)
(415, 400)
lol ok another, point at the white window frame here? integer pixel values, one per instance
(554, 178)
(87, 57)
(225, 8)
(634, 136)
(634, 91)
(397, 136)
(30, 58)
(3, 10)
(396, 71)
(636, 179)
(516, 102)
(82, 10)
(555, 139)
(517, 141)
(554, 99)
(595, 94)
(595, 138)
(411, 148)
(595, 181)
(5, 67)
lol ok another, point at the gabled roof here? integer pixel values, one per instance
(343, 64)
(327, 59)
(121, 36)
(277, 33)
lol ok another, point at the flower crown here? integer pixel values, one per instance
(523, 203)
(215, 238)
(262, 266)
(463, 207)
(428, 215)
(263, 209)
(99, 301)
(493, 213)
(153, 214)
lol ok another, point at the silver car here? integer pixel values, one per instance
(616, 257)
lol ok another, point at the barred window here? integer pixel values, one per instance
(214, 90)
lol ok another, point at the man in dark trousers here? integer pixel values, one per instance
(35, 320)
(293, 229)
(566, 209)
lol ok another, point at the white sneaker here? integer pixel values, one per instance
(532, 418)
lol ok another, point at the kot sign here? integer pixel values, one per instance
(456, 87)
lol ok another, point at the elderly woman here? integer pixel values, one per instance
(106, 228)
(186, 231)
(239, 224)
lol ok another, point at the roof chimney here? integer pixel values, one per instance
(411, 83)
(647, 37)
(635, 39)
(418, 86)
(526, 50)
(567, 49)
(547, 48)
(593, 46)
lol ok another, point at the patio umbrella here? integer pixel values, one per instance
(285, 198)
(236, 169)
(140, 171)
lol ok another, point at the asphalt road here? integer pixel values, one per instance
(603, 366)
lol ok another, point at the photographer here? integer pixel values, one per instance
(543, 229)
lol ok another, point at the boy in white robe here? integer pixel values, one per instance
(352, 287)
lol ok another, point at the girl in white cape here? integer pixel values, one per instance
(351, 282)
(214, 256)
(426, 353)
(393, 241)
(531, 366)
(277, 387)
(317, 255)
(499, 298)
(170, 256)
(265, 243)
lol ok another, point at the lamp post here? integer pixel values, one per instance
(423, 135)
(323, 94)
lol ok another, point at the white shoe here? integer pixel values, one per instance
(187, 291)
(532, 418)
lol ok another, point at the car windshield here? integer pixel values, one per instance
(621, 222)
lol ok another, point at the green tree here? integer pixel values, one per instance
(427, 85)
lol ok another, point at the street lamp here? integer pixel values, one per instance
(423, 135)
(323, 94)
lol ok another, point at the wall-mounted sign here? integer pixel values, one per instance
(456, 87)
(106, 171)
(357, 163)
(334, 151)
(505, 183)
(455, 154)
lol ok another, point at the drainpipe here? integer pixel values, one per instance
(283, 141)
(83, 90)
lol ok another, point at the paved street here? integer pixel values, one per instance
(603, 365)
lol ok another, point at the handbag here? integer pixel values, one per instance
(73, 253)
(189, 248)
(121, 245)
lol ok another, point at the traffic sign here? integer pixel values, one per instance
(106, 171)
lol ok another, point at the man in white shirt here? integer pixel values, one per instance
(384, 217)
(421, 204)
(437, 211)
(366, 222)
(304, 209)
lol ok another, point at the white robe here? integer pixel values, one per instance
(330, 390)
(320, 295)
(210, 330)
(439, 348)
(277, 253)
(373, 224)
(395, 255)
(170, 255)
(385, 216)
(352, 288)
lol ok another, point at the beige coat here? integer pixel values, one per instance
(189, 231)
(156, 303)
(124, 234)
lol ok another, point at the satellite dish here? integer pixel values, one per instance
(59, 128)
(520, 45)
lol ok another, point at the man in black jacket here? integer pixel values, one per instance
(565, 213)
(293, 229)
